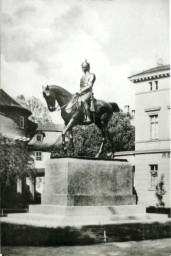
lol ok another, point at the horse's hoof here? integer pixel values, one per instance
(97, 156)
(65, 150)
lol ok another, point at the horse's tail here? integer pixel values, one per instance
(115, 107)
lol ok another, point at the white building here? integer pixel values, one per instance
(152, 132)
(40, 147)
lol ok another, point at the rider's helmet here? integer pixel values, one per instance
(85, 64)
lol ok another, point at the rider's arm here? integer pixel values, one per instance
(90, 84)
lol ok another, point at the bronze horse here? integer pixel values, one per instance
(75, 116)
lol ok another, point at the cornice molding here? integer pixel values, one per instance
(151, 141)
(152, 109)
(142, 152)
(150, 77)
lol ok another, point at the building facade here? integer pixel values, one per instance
(14, 122)
(47, 135)
(152, 133)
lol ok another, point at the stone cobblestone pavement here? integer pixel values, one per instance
(160, 247)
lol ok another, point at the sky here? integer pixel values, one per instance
(45, 42)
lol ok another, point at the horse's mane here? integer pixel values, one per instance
(59, 88)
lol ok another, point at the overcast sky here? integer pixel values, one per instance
(45, 42)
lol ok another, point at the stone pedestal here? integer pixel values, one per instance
(85, 202)
(88, 182)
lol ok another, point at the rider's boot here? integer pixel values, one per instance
(87, 119)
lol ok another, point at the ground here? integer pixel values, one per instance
(160, 247)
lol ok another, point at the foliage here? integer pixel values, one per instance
(160, 192)
(87, 139)
(40, 113)
(15, 163)
(122, 131)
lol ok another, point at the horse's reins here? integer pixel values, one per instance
(60, 108)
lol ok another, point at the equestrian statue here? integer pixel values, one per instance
(81, 108)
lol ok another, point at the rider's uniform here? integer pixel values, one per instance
(86, 81)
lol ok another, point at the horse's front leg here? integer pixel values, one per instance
(102, 144)
(66, 129)
(63, 143)
(101, 148)
(71, 138)
(110, 138)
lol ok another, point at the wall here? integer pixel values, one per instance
(15, 113)
(145, 101)
(129, 156)
(45, 158)
(10, 129)
(143, 87)
(142, 169)
(152, 102)
(40, 181)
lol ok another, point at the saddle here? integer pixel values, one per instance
(75, 101)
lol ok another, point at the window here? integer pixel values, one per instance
(154, 127)
(22, 122)
(39, 137)
(156, 82)
(153, 176)
(38, 155)
(151, 86)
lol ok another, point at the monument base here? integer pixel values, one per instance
(85, 211)
(88, 190)
(85, 201)
(88, 182)
(82, 200)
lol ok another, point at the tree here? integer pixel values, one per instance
(160, 192)
(122, 131)
(16, 163)
(87, 139)
(40, 113)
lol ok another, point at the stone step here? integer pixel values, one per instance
(36, 216)
(75, 220)
(57, 221)
(87, 210)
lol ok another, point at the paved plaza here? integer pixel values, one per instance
(160, 247)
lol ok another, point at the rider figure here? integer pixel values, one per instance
(86, 85)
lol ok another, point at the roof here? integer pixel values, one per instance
(48, 141)
(8, 101)
(50, 127)
(10, 129)
(152, 70)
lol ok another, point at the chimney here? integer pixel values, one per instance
(126, 108)
(133, 113)
(160, 62)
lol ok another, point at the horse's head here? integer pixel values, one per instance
(50, 98)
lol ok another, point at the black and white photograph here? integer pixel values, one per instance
(85, 128)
